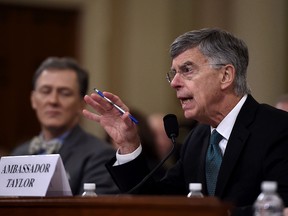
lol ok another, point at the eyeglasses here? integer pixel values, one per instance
(186, 71)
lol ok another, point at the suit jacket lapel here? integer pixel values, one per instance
(233, 150)
(71, 140)
(202, 169)
(236, 143)
(195, 149)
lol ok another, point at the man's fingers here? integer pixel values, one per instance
(91, 116)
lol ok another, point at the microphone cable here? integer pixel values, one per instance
(172, 131)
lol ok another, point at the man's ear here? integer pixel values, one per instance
(32, 100)
(228, 76)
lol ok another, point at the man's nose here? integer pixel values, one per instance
(175, 82)
(53, 97)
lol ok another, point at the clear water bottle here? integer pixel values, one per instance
(195, 190)
(268, 202)
(89, 190)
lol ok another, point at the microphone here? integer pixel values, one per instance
(171, 127)
(172, 131)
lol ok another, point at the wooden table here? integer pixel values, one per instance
(113, 206)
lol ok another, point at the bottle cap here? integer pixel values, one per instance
(195, 186)
(269, 186)
(89, 186)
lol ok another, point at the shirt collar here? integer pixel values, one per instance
(226, 125)
(60, 138)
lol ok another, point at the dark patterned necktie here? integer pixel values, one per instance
(213, 162)
(39, 146)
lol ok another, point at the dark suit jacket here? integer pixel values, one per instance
(84, 157)
(257, 150)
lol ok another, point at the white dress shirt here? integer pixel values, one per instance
(226, 125)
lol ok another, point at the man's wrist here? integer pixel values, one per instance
(125, 158)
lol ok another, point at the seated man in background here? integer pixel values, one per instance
(59, 86)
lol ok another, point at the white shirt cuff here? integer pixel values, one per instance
(125, 158)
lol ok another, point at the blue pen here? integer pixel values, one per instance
(115, 105)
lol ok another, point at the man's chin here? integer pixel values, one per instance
(53, 127)
(189, 115)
